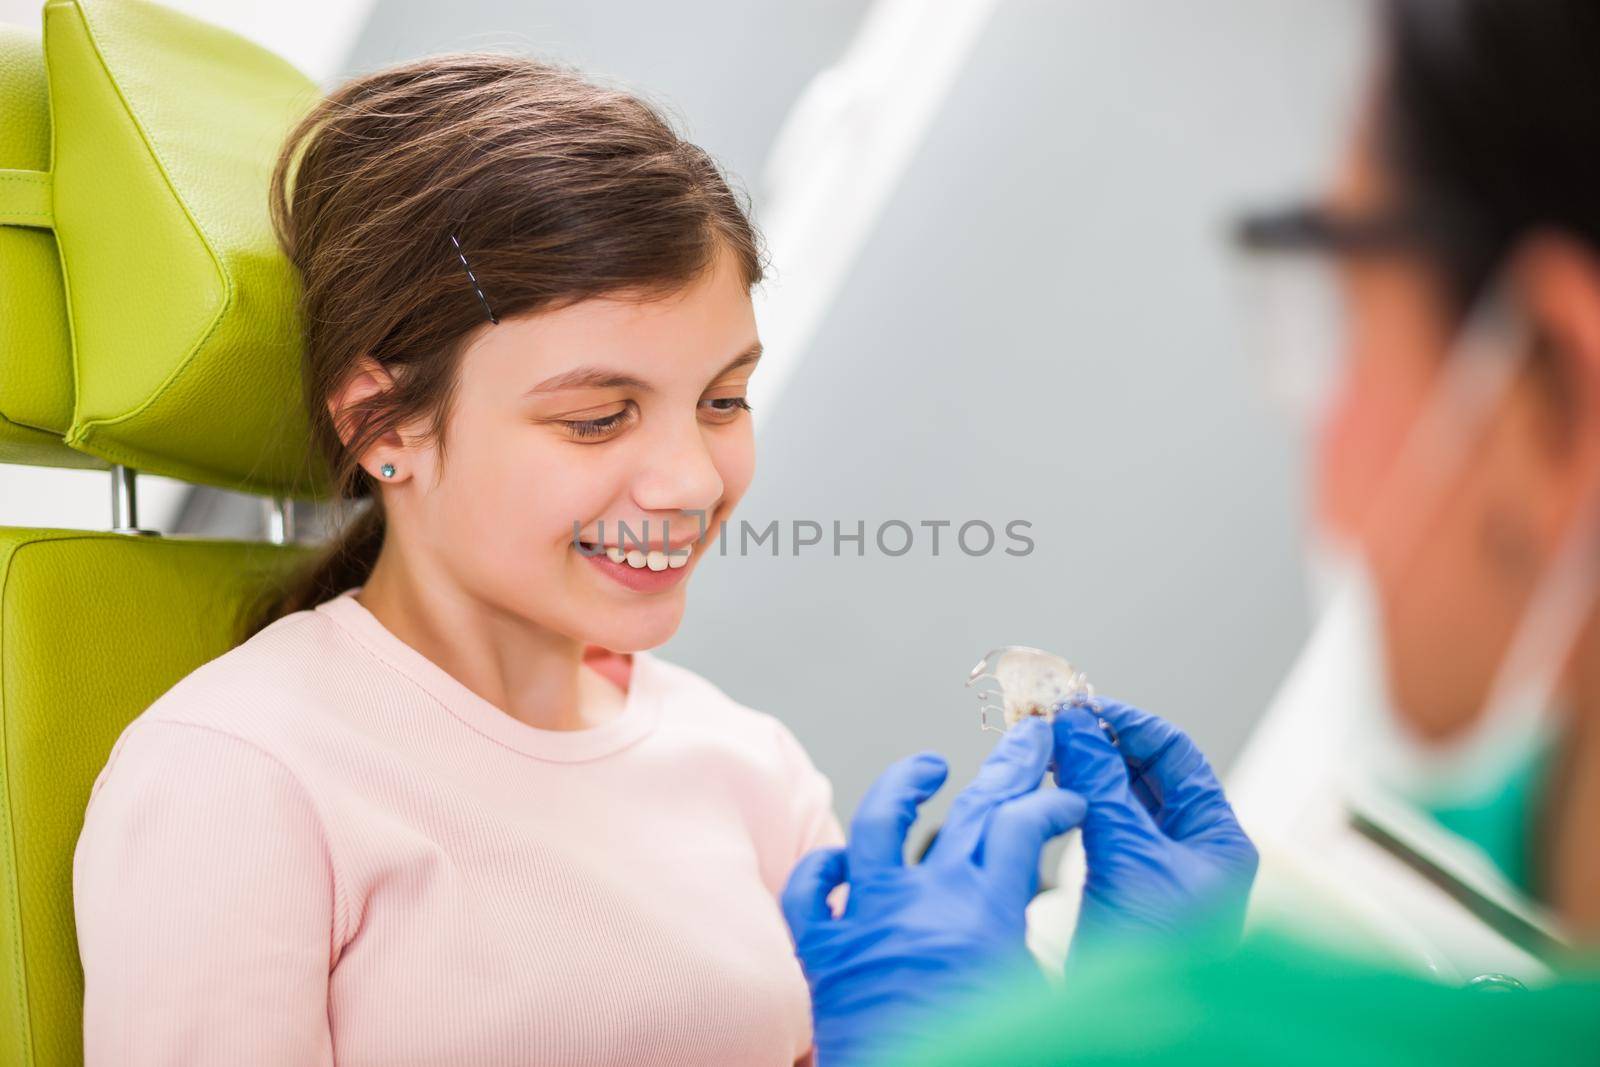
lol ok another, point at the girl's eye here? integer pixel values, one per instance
(588, 429)
(726, 408)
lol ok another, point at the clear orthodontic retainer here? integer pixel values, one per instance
(1029, 682)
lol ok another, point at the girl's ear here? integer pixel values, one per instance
(368, 379)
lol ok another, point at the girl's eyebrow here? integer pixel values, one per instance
(589, 378)
(602, 378)
(743, 359)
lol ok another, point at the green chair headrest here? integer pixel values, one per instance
(35, 348)
(183, 310)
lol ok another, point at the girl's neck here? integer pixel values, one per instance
(530, 672)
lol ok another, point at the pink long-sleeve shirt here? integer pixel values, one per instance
(321, 848)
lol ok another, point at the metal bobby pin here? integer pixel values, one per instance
(474, 279)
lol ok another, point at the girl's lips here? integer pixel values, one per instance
(640, 579)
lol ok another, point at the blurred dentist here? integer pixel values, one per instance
(1458, 482)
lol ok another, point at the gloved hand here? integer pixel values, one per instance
(1165, 853)
(913, 938)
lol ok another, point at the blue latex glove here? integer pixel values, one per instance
(913, 938)
(1165, 854)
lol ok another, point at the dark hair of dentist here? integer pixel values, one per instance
(1478, 157)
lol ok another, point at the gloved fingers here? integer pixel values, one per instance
(1197, 808)
(1185, 797)
(885, 814)
(1156, 751)
(1016, 766)
(1089, 764)
(1206, 818)
(1018, 831)
(1140, 734)
(805, 895)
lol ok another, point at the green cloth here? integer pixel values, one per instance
(1273, 1002)
(1504, 823)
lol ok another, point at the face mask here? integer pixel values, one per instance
(1486, 782)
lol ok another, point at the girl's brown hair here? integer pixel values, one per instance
(557, 189)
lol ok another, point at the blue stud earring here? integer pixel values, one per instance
(387, 470)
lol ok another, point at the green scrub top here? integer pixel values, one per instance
(1273, 1002)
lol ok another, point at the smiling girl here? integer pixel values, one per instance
(443, 807)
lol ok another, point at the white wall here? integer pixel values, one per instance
(1042, 326)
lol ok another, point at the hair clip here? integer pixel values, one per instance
(474, 279)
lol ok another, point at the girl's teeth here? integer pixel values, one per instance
(654, 560)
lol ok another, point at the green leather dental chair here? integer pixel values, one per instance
(148, 322)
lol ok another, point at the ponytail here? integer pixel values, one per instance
(347, 561)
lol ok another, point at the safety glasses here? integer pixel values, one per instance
(1288, 265)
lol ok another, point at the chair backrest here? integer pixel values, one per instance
(147, 321)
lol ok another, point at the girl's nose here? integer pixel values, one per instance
(678, 474)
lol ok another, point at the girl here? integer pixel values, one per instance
(443, 807)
